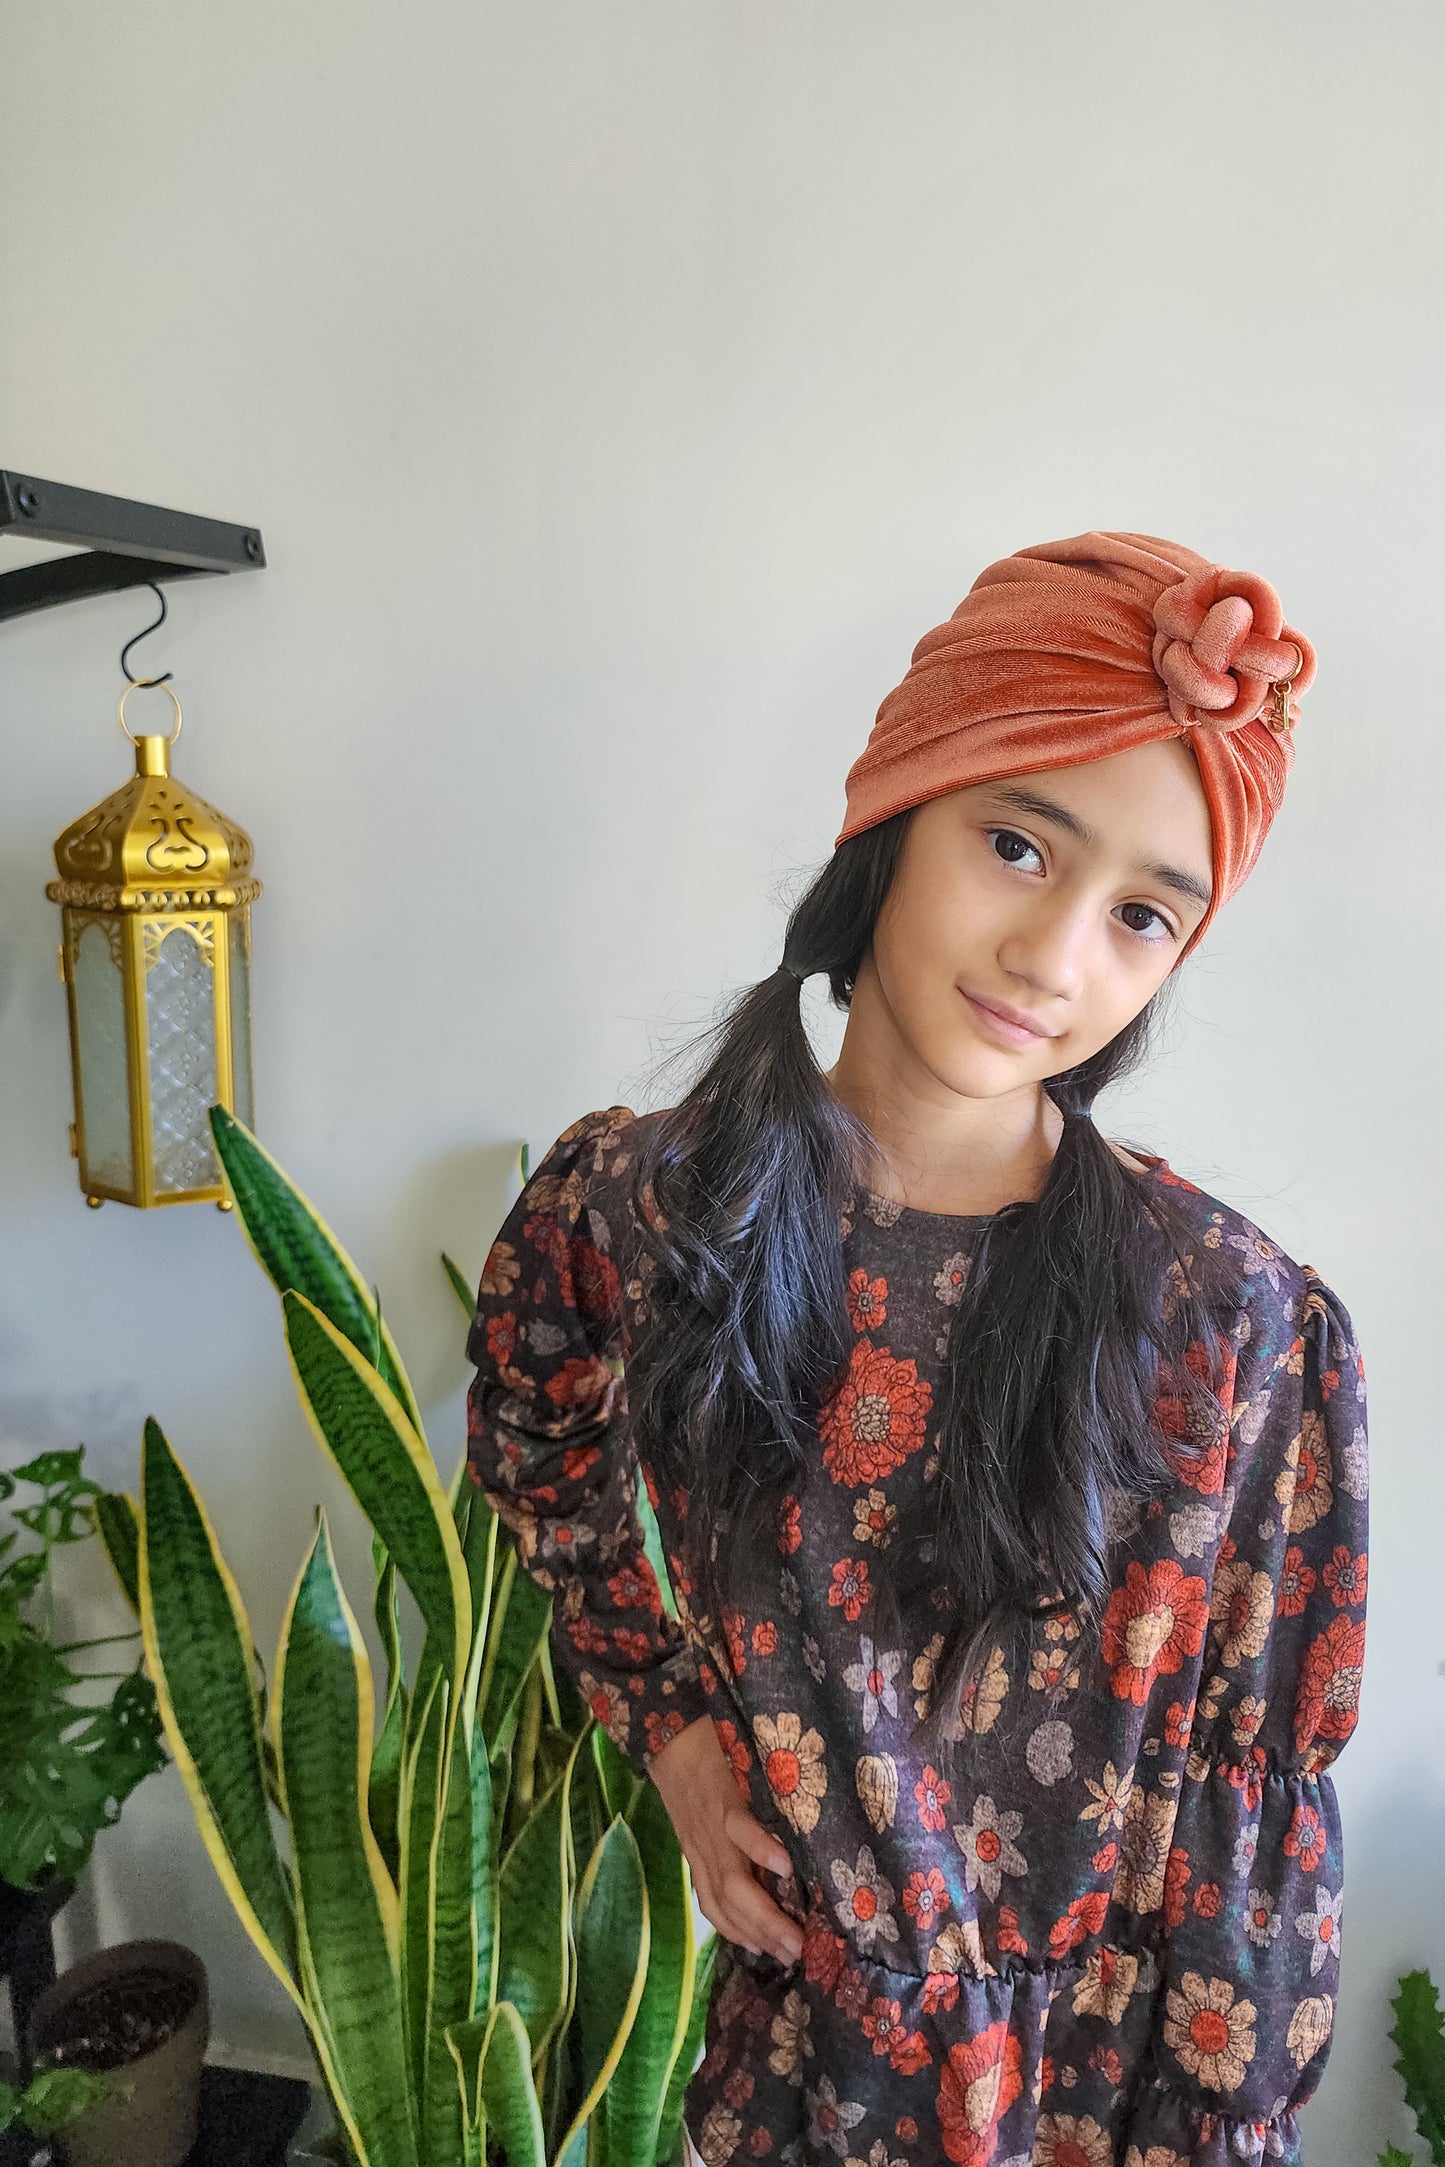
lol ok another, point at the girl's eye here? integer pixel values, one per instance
(1014, 837)
(1165, 932)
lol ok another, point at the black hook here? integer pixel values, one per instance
(125, 666)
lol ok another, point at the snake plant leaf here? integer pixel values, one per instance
(383, 1793)
(200, 1652)
(484, 1866)
(616, 1777)
(296, 1248)
(115, 1518)
(517, 1630)
(420, 1815)
(613, 1939)
(638, 2089)
(452, 1968)
(384, 1461)
(345, 1902)
(669, 2138)
(532, 1897)
(465, 1293)
(493, 2061)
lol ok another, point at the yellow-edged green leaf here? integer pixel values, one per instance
(669, 2140)
(115, 1518)
(296, 1248)
(385, 1463)
(493, 2063)
(421, 1804)
(517, 1630)
(383, 1794)
(532, 1899)
(452, 1976)
(464, 1291)
(346, 1904)
(201, 1656)
(639, 2083)
(613, 1938)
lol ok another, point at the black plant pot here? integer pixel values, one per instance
(27, 1951)
(95, 2016)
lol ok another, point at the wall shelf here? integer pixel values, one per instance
(121, 543)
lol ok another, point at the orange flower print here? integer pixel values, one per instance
(933, 1793)
(1151, 1624)
(1296, 1582)
(581, 1381)
(925, 1899)
(873, 1421)
(1327, 1700)
(867, 1302)
(1346, 1575)
(1304, 1839)
(883, 2024)
(795, 1766)
(979, 2082)
(790, 1526)
(852, 1590)
(501, 1336)
(1211, 2031)
(873, 1518)
(765, 1637)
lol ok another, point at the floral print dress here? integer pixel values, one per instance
(1115, 1936)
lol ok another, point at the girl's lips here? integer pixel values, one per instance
(1016, 1034)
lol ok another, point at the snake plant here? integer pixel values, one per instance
(481, 1912)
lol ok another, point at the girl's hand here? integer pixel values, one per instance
(722, 1841)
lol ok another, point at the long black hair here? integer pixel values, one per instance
(1082, 1314)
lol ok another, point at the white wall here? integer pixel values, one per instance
(621, 390)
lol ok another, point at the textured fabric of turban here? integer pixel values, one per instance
(1074, 650)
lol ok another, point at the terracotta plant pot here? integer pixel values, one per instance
(100, 2014)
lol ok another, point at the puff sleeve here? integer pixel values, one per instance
(1250, 1960)
(549, 1444)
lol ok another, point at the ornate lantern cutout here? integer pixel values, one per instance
(155, 954)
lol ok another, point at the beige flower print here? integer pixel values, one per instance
(878, 2156)
(1312, 1496)
(1144, 1842)
(1261, 1918)
(829, 2117)
(1321, 1927)
(720, 2135)
(1310, 2027)
(872, 1676)
(1158, 2155)
(960, 1948)
(1241, 1611)
(873, 1518)
(1109, 1797)
(1211, 2030)
(791, 2040)
(978, 1707)
(989, 1851)
(795, 1766)
(865, 1900)
(1071, 2140)
(1104, 1986)
(1257, 1254)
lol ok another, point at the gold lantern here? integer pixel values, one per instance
(155, 894)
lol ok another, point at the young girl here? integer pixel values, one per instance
(1013, 1489)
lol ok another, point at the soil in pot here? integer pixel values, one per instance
(102, 2031)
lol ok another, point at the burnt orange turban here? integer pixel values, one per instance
(1073, 650)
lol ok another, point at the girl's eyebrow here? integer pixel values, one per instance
(1042, 808)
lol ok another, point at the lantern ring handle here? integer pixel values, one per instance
(146, 684)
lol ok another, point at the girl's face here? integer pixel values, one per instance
(1066, 893)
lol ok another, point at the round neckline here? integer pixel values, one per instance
(1153, 1161)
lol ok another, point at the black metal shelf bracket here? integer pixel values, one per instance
(120, 543)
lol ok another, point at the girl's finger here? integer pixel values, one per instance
(749, 1835)
(760, 1918)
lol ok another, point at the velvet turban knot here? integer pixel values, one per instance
(1074, 650)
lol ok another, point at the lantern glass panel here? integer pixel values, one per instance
(99, 987)
(181, 1032)
(239, 925)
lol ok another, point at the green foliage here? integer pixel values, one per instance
(67, 1761)
(55, 2097)
(1417, 2032)
(481, 1912)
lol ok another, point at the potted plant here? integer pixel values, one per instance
(480, 1910)
(68, 1759)
(140, 2010)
